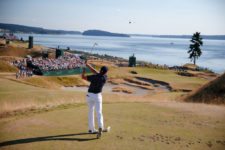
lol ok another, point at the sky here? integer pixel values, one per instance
(146, 16)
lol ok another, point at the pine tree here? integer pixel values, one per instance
(194, 48)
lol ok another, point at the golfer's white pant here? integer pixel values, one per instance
(94, 102)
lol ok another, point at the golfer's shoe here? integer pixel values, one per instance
(99, 134)
(107, 129)
(93, 131)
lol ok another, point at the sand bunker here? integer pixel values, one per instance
(108, 88)
(138, 86)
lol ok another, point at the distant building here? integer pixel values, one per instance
(59, 52)
(30, 44)
(132, 61)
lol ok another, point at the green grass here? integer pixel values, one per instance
(16, 96)
(42, 116)
(176, 81)
(46, 117)
(134, 126)
(39, 92)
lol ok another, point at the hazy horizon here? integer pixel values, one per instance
(117, 32)
(130, 17)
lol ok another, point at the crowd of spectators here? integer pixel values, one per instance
(68, 61)
(24, 71)
(9, 36)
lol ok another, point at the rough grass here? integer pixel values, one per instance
(68, 81)
(122, 89)
(6, 67)
(133, 126)
(19, 44)
(41, 82)
(100, 63)
(116, 81)
(135, 81)
(39, 91)
(13, 51)
(19, 96)
(190, 66)
(19, 51)
(10, 58)
(212, 92)
(54, 82)
(15, 96)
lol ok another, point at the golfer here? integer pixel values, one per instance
(94, 98)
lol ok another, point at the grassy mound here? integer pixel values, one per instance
(10, 58)
(55, 82)
(41, 82)
(13, 51)
(212, 92)
(122, 89)
(18, 52)
(6, 67)
(68, 81)
(190, 66)
(17, 97)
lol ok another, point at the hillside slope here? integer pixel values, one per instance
(212, 92)
(103, 33)
(6, 67)
(29, 29)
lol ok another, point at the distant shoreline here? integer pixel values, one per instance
(22, 29)
(208, 37)
(103, 33)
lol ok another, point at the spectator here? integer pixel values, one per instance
(68, 61)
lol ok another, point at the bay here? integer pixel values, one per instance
(169, 51)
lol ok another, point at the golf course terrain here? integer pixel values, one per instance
(147, 108)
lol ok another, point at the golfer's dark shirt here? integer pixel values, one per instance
(97, 83)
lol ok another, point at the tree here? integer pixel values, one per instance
(194, 48)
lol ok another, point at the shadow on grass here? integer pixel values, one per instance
(63, 137)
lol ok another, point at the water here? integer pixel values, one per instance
(170, 51)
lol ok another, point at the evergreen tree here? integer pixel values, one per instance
(194, 48)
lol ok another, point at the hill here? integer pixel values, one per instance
(212, 92)
(28, 29)
(103, 33)
(6, 67)
(18, 52)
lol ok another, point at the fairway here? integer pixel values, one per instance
(133, 126)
